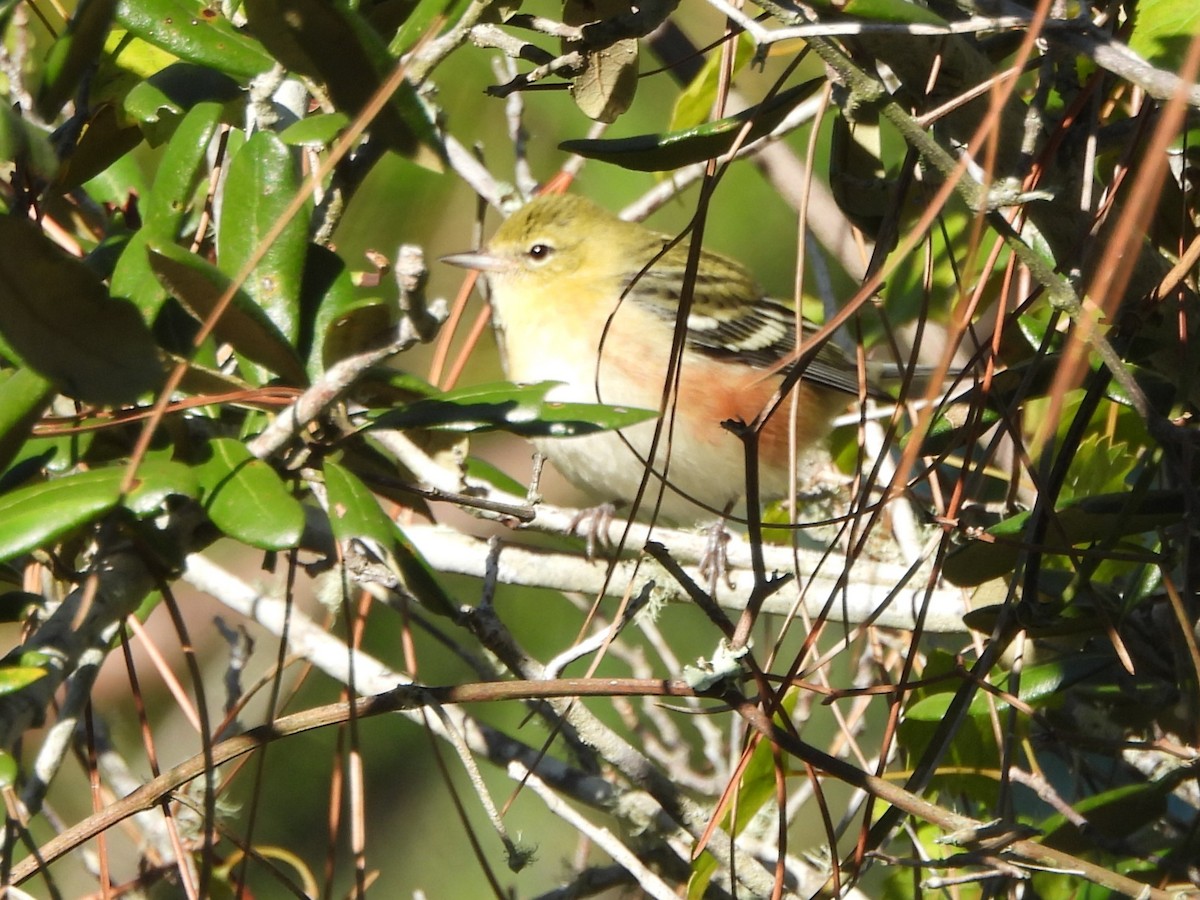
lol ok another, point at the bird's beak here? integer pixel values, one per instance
(480, 260)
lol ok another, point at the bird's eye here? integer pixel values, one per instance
(540, 252)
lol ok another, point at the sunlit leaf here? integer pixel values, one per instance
(247, 500)
(263, 180)
(73, 53)
(195, 32)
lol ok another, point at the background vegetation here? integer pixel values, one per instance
(284, 621)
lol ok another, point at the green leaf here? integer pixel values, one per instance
(333, 44)
(198, 285)
(418, 576)
(519, 409)
(354, 512)
(26, 144)
(264, 178)
(898, 11)
(662, 152)
(1082, 521)
(420, 20)
(10, 771)
(971, 412)
(1117, 813)
(1163, 29)
(75, 50)
(56, 315)
(40, 514)
(195, 32)
(695, 102)
(1041, 684)
(315, 131)
(165, 207)
(160, 102)
(155, 481)
(24, 394)
(345, 323)
(106, 138)
(247, 500)
(755, 788)
(16, 678)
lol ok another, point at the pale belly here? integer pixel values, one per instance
(703, 463)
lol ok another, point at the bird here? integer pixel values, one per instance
(586, 299)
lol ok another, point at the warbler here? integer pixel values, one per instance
(584, 298)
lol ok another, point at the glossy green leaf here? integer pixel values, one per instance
(155, 481)
(420, 20)
(184, 164)
(1040, 684)
(973, 411)
(57, 316)
(482, 470)
(858, 175)
(419, 577)
(263, 180)
(898, 11)
(343, 322)
(24, 395)
(519, 409)
(16, 678)
(354, 512)
(75, 50)
(55, 455)
(333, 44)
(159, 103)
(247, 500)
(315, 131)
(1163, 29)
(695, 102)
(756, 787)
(39, 514)
(195, 32)
(1082, 521)
(663, 152)
(165, 206)
(10, 771)
(199, 285)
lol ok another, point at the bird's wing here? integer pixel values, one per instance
(723, 324)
